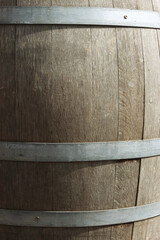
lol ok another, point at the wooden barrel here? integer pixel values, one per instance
(61, 84)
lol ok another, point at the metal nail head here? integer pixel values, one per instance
(125, 17)
(37, 219)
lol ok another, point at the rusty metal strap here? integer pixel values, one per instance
(80, 16)
(78, 218)
(79, 152)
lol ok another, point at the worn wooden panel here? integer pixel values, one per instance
(8, 3)
(7, 104)
(7, 80)
(149, 190)
(131, 95)
(57, 101)
(22, 182)
(104, 57)
(98, 191)
(77, 84)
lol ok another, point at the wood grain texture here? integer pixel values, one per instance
(21, 182)
(149, 187)
(7, 103)
(7, 83)
(57, 102)
(131, 94)
(74, 84)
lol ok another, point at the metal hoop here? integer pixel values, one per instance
(78, 219)
(79, 152)
(79, 16)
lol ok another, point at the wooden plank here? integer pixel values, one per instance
(104, 58)
(7, 3)
(57, 102)
(75, 71)
(92, 191)
(7, 106)
(33, 47)
(7, 80)
(131, 94)
(104, 108)
(149, 190)
(24, 185)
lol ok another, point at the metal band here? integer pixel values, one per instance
(79, 16)
(78, 219)
(79, 152)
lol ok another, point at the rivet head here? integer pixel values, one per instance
(125, 16)
(37, 219)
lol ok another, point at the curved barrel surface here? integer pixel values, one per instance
(73, 84)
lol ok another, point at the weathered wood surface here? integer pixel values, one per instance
(149, 187)
(7, 103)
(73, 84)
